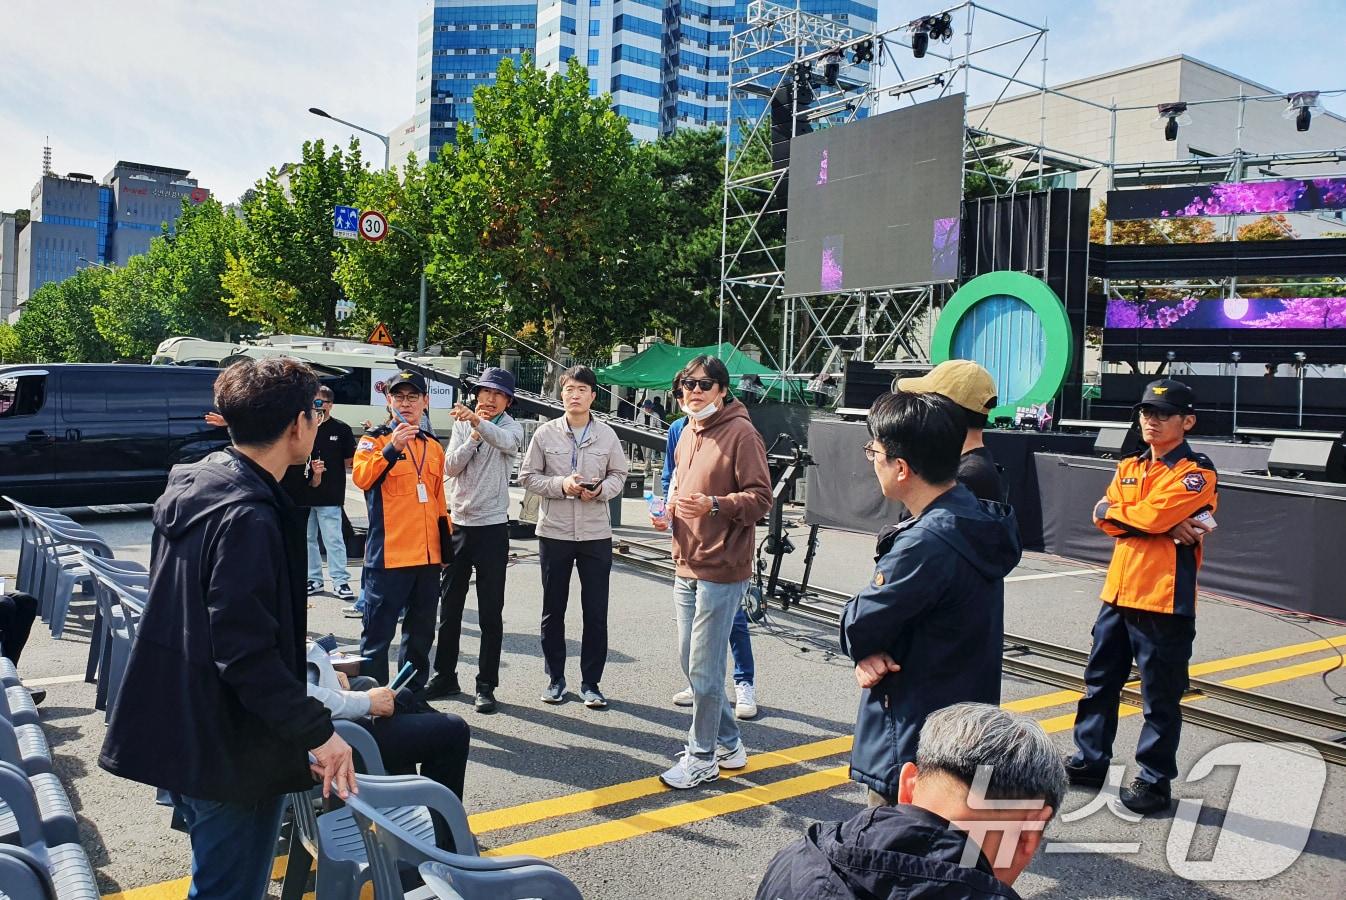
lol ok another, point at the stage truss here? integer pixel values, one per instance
(1007, 57)
(809, 335)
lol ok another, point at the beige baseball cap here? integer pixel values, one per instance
(961, 380)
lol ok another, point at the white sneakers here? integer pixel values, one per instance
(732, 759)
(745, 706)
(689, 771)
(745, 700)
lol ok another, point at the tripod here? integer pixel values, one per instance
(789, 467)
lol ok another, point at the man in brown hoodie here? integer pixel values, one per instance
(720, 488)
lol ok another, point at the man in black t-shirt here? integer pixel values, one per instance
(321, 486)
(973, 390)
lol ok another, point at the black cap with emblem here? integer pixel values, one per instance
(410, 379)
(1169, 396)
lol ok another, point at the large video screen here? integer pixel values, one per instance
(1229, 199)
(1231, 312)
(875, 203)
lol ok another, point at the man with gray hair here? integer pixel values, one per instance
(969, 817)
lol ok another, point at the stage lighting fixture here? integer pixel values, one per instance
(863, 51)
(832, 67)
(1300, 108)
(1235, 356)
(1300, 358)
(920, 40)
(1171, 115)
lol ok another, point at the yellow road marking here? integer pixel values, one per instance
(584, 801)
(541, 810)
(723, 804)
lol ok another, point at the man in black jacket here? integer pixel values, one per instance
(927, 630)
(214, 706)
(948, 837)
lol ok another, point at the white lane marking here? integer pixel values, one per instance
(59, 679)
(1042, 575)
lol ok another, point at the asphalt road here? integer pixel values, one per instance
(530, 760)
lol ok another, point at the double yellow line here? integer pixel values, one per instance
(722, 804)
(709, 807)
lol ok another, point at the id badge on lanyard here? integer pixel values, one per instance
(421, 494)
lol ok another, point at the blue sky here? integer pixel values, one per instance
(222, 88)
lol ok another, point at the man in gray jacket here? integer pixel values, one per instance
(576, 464)
(477, 465)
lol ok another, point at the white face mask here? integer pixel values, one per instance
(706, 412)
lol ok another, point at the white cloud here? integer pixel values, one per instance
(220, 89)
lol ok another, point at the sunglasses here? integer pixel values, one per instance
(698, 384)
(319, 403)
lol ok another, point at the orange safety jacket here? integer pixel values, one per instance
(403, 531)
(1146, 498)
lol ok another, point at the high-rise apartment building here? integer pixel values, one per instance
(75, 218)
(665, 62)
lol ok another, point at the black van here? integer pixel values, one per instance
(80, 435)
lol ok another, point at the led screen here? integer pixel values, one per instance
(875, 203)
(1237, 199)
(1232, 312)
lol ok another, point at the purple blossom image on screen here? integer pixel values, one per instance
(1304, 312)
(944, 248)
(1331, 192)
(822, 169)
(1245, 197)
(832, 278)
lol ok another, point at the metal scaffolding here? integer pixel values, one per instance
(781, 46)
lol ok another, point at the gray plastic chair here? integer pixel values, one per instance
(473, 877)
(439, 879)
(71, 874)
(65, 569)
(27, 518)
(333, 838)
(126, 573)
(23, 876)
(25, 746)
(128, 605)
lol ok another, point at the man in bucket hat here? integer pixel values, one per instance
(482, 449)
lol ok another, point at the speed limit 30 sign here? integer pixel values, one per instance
(373, 226)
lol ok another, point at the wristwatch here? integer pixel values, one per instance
(714, 507)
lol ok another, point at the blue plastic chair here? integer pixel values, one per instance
(471, 876)
(126, 573)
(23, 876)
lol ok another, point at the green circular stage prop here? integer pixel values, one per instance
(1015, 326)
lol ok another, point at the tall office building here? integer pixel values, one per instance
(75, 218)
(665, 62)
(9, 272)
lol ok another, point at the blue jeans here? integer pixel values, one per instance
(233, 846)
(705, 616)
(740, 645)
(328, 520)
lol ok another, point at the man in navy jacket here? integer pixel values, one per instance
(927, 631)
(214, 707)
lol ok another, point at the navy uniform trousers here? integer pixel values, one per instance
(1161, 644)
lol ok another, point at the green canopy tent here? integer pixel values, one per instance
(654, 369)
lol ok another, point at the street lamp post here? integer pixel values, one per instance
(420, 329)
(387, 146)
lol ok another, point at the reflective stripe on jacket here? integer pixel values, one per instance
(1145, 499)
(403, 531)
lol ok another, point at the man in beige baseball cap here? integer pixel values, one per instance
(973, 389)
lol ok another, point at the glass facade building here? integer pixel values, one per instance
(665, 62)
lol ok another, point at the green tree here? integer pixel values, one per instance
(291, 252)
(547, 211)
(11, 348)
(175, 288)
(57, 323)
(383, 279)
(689, 169)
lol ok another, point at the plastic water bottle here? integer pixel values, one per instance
(658, 510)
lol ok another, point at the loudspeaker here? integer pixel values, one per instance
(1117, 442)
(1314, 460)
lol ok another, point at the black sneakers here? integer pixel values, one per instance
(1145, 797)
(442, 686)
(485, 699)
